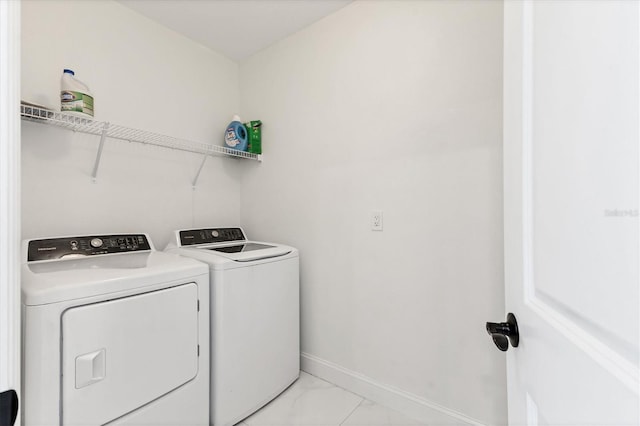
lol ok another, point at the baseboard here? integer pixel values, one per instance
(411, 405)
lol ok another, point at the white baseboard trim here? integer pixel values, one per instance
(411, 405)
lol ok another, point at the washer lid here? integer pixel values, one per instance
(228, 243)
(247, 251)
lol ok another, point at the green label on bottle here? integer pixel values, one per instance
(71, 101)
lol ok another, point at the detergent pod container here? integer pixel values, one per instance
(254, 128)
(236, 137)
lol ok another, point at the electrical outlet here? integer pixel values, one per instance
(376, 220)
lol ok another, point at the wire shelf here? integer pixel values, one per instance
(104, 129)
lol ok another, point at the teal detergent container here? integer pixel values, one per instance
(236, 136)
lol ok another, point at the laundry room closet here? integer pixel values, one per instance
(382, 106)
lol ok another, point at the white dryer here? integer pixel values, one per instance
(255, 318)
(113, 332)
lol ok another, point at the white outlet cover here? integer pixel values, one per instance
(376, 220)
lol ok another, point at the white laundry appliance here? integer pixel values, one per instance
(255, 318)
(114, 333)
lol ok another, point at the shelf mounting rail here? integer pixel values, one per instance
(108, 130)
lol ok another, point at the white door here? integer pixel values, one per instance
(128, 352)
(571, 162)
(9, 209)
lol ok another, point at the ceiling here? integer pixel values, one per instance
(236, 28)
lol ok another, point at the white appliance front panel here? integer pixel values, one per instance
(121, 354)
(255, 335)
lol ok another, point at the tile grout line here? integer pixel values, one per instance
(352, 411)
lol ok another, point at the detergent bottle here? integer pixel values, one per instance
(75, 97)
(235, 136)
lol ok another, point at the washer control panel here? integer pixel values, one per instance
(210, 235)
(90, 245)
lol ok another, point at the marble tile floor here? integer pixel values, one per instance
(311, 401)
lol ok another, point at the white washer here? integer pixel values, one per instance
(113, 332)
(255, 318)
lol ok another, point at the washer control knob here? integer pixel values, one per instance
(96, 242)
(215, 233)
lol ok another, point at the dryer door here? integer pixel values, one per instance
(121, 354)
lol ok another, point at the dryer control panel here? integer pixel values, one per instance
(89, 245)
(210, 235)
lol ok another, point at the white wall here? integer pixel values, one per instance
(144, 76)
(390, 105)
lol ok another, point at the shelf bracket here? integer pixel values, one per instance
(103, 136)
(195, 180)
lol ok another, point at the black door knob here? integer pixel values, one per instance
(8, 407)
(504, 332)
